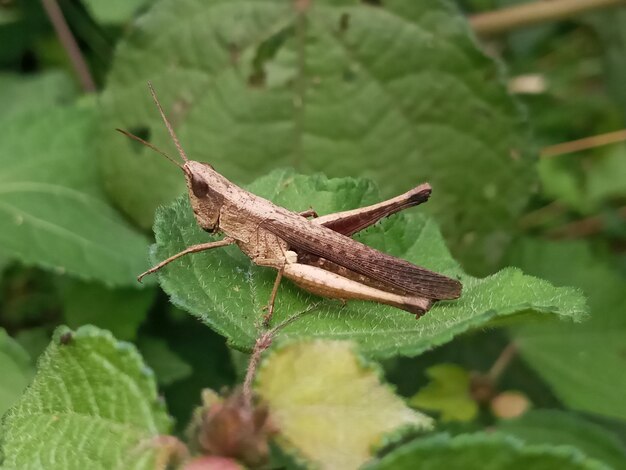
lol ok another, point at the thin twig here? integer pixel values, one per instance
(502, 362)
(528, 14)
(583, 227)
(584, 144)
(69, 44)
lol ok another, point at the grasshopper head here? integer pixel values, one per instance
(205, 201)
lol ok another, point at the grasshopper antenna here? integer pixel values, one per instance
(149, 145)
(168, 125)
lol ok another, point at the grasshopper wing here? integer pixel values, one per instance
(351, 254)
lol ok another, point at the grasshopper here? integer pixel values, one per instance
(315, 252)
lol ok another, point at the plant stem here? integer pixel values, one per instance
(263, 342)
(584, 144)
(528, 14)
(55, 15)
(583, 227)
(299, 101)
(502, 362)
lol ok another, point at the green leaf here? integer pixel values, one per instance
(114, 11)
(562, 180)
(167, 365)
(28, 94)
(16, 370)
(561, 428)
(586, 185)
(227, 291)
(448, 393)
(52, 211)
(584, 364)
(328, 405)
(606, 175)
(610, 26)
(92, 404)
(397, 92)
(121, 311)
(485, 451)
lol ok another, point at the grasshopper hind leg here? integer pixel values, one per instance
(328, 284)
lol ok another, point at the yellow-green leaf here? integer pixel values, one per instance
(447, 393)
(329, 405)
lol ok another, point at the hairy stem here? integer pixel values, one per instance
(528, 14)
(264, 341)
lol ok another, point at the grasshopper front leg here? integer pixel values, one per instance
(289, 257)
(192, 249)
(328, 284)
(270, 303)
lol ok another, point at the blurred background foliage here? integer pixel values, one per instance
(478, 117)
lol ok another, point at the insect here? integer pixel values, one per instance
(315, 252)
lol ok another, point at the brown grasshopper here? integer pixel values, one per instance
(317, 254)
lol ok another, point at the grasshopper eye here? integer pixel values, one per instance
(199, 187)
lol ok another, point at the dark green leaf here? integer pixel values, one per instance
(16, 368)
(115, 11)
(610, 26)
(584, 364)
(167, 365)
(397, 92)
(34, 340)
(484, 451)
(561, 428)
(121, 311)
(52, 211)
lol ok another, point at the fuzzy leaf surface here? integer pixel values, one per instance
(485, 451)
(228, 292)
(93, 404)
(398, 92)
(338, 427)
